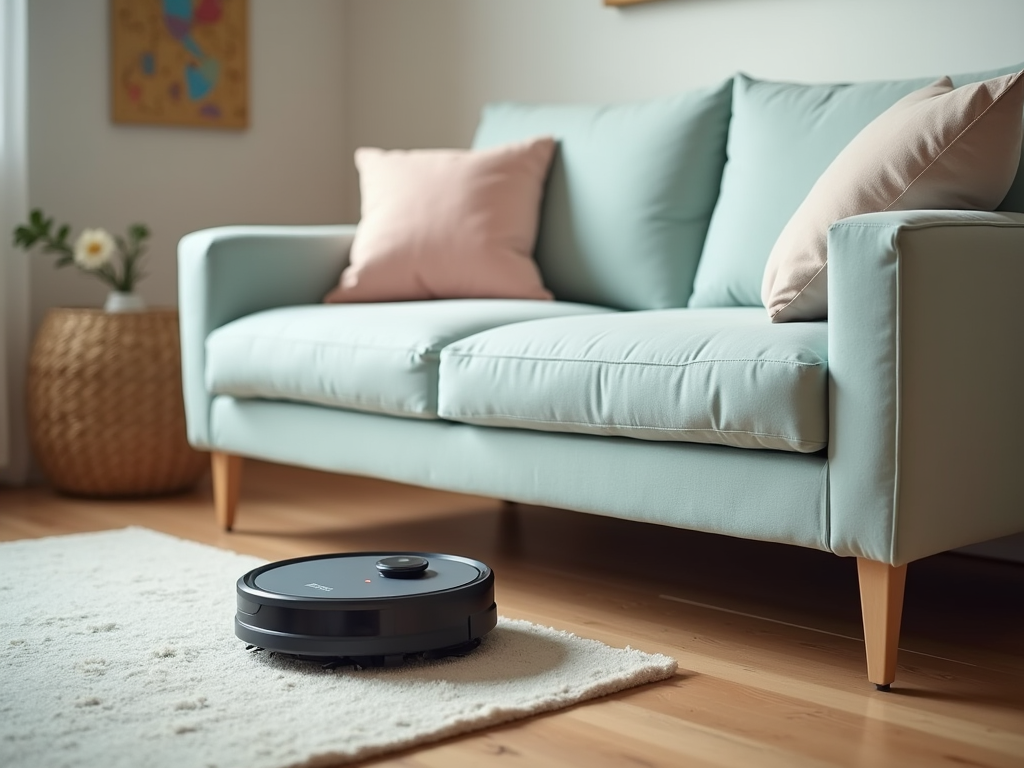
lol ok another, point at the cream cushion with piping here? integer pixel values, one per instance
(936, 148)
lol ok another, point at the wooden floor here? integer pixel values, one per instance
(771, 667)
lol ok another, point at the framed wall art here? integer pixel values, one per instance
(180, 62)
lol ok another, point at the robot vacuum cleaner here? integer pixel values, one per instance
(367, 609)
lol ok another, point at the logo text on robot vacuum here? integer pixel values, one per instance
(321, 586)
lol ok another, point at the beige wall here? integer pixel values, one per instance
(418, 71)
(288, 167)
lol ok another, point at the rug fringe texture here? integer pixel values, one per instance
(119, 651)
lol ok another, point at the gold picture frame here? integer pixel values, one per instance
(180, 63)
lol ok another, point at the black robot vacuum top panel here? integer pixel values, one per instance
(367, 608)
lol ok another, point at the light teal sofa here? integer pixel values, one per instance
(654, 388)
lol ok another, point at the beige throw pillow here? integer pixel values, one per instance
(934, 148)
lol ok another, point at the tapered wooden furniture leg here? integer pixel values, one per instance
(881, 602)
(227, 481)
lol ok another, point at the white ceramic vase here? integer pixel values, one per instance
(122, 301)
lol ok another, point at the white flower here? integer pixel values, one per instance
(93, 248)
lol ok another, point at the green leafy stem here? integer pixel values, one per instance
(39, 231)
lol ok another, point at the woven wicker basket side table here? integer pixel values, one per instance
(105, 410)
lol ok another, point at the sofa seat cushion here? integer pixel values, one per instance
(727, 376)
(380, 358)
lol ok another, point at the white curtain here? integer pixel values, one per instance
(14, 321)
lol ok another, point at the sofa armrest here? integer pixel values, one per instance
(228, 272)
(925, 360)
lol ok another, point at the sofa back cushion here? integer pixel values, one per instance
(629, 194)
(782, 137)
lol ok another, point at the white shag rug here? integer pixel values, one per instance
(119, 650)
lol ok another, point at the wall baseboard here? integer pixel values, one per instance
(1007, 548)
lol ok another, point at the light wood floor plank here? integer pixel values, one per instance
(999, 728)
(690, 739)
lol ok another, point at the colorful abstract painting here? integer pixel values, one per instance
(180, 62)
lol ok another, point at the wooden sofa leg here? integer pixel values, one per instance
(881, 602)
(227, 481)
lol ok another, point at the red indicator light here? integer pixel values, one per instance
(368, 581)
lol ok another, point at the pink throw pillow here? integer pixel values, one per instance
(447, 224)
